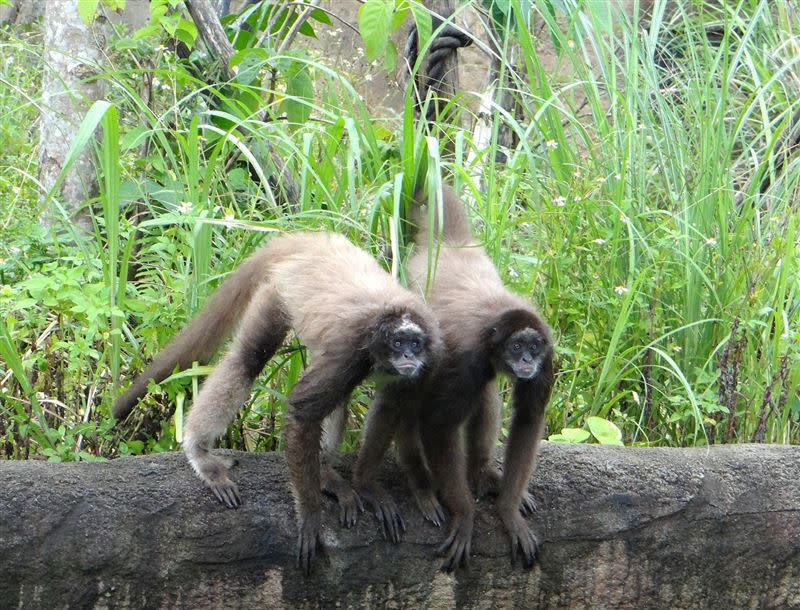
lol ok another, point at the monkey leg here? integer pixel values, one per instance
(483, 429)
(409, 448)
(261, 332)
(333, 483)
(382, 419)
(527, 425)
(448, 467)
(326, 384)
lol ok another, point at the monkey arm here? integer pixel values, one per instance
(383, 417)
(411, 453)
(529, 400)
(326, 383)
(448, 467)
(482, 431)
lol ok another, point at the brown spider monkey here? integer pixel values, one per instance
(486, 330)
(353, 317)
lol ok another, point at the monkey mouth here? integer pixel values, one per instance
(407, 369)
(526, 371)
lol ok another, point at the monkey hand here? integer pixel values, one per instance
(307, 539)
(486, 481)
(523, 540)
(456, 546)
(385, 509)
(349, 501)
(429, 505)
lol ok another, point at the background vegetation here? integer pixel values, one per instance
(631, 211)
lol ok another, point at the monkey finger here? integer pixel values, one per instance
(448, 542)
(527, 504)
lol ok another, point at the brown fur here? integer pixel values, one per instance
(339, 302)
(476, 315)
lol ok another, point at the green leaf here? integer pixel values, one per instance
(87, 10)
(170, 23)
(148, 30)
(422, 18)
(374, 24)
(299, 90)
(306, 29)
(576, 435)
(390, 61)
(134, 137)
(186, 32)
(604, 431)
(399, 17)
(321, 16)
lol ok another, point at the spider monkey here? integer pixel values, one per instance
(486, 330)
(354, 318)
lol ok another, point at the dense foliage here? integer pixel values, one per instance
(630, 210)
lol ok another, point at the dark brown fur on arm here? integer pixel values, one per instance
(527, 425)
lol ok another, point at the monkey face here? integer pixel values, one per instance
(522, 353)
(401, 348)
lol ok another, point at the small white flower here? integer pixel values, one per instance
(230, 217)
(560, 201)
(571, 43)
(676, 349)
(551, 144)
(185, 206)
(512, 273)
(368, 77)
(599, 241)
(711, 241)
(617, 177)
(620, 290)
(577, 173)
(623, 218)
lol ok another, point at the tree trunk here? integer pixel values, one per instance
(21, 11)
(72, 55)
(621, 528)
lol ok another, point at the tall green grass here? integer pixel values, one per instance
(629, 211)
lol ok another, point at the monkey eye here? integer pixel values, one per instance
(516, 347)
(397, 343)
(415, 344)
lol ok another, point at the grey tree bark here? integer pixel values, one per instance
(73, 53)
(21, 11)
(621, 528)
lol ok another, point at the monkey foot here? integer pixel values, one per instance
(429, 505)
(456, 546)
(350, 504)
(527, 505)
(307, 539)
(225, 491)
(487, 481)
(385, 510)
(523, 541)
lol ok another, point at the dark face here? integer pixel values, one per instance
(522, 353)
(401, 349)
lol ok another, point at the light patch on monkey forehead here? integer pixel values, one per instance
(408, 325)
(527, 334)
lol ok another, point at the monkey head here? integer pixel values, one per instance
(520, 342)
(402, 345)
